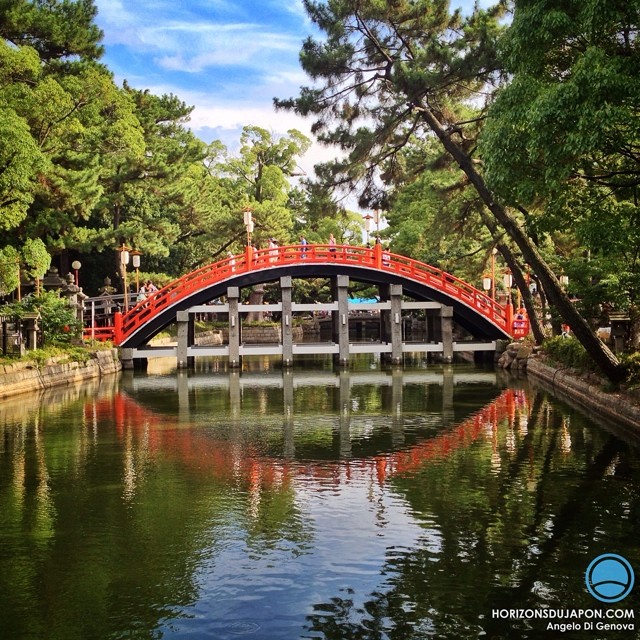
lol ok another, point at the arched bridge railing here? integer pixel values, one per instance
(353, 256)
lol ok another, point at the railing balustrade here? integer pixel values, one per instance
(118, 326)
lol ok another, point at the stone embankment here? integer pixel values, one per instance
(24, 377)
(622, 408)
(587, 392)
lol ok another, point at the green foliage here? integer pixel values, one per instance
(148, 182)
(567, 351)
(57, 319)
(261, 171)
(9, 270)
(377, 65)
(631, 363)
(20, 156)
(86, 165)
(20, 160)
(435, 217)
(62, 354)
(36, 257)
(58, 29)
(562, 138)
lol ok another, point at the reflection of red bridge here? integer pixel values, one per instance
(473, 309)
(239, 462)
(468, 431)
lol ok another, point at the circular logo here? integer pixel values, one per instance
(609, 578)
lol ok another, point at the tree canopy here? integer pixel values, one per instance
(87, 165)
(391, 76)
(513, 127)
(563, 139)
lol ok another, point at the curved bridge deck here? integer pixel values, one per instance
(372, 265)
(471, 308)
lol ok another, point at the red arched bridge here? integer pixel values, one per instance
(473, 309)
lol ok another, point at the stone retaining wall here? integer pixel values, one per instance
(271, 334)
(614, 406)
(24, 377)
(268, 334)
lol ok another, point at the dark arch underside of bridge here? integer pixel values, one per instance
(468, 318)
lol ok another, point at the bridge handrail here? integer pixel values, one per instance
(251, 259)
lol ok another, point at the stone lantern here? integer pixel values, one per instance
(52, 280)
(75, 296)
(619, 330)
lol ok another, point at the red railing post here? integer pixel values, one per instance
(509, 317)
(117, 327)
(248, 257)
(377, 255)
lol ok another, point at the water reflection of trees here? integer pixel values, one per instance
(512, 525)
(108, 524)
(101, 497)
(126, 505)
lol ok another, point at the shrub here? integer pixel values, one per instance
(57, 319)
(631, 363)
(567, 351)
(63, 354)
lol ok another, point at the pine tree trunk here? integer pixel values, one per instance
(535, 321)
(599, 352)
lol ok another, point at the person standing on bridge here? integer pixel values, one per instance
(273, 249)
(142, 293)
(332, 243)
(303, 247)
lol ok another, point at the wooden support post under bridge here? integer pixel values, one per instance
(391, 347)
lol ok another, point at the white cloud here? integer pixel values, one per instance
(243, 46)
(192, 44)
(220, 57)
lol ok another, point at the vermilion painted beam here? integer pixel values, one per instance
(257, 259)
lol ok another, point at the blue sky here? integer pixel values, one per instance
(227, 58)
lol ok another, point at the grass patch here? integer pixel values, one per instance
(631, 363)
(64, 353)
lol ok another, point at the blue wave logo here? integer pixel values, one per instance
(609, 578)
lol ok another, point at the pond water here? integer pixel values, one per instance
(429, 502)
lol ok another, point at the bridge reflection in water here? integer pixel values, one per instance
(306, 504)
(222, 457)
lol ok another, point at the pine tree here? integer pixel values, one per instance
(388, 72)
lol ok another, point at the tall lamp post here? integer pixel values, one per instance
(248, 223)
(75, 265)
(367, 225)
(377, 215)
(19, 280)
(135, 261)
(124, 261)
(508, 283)
(493, 272)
